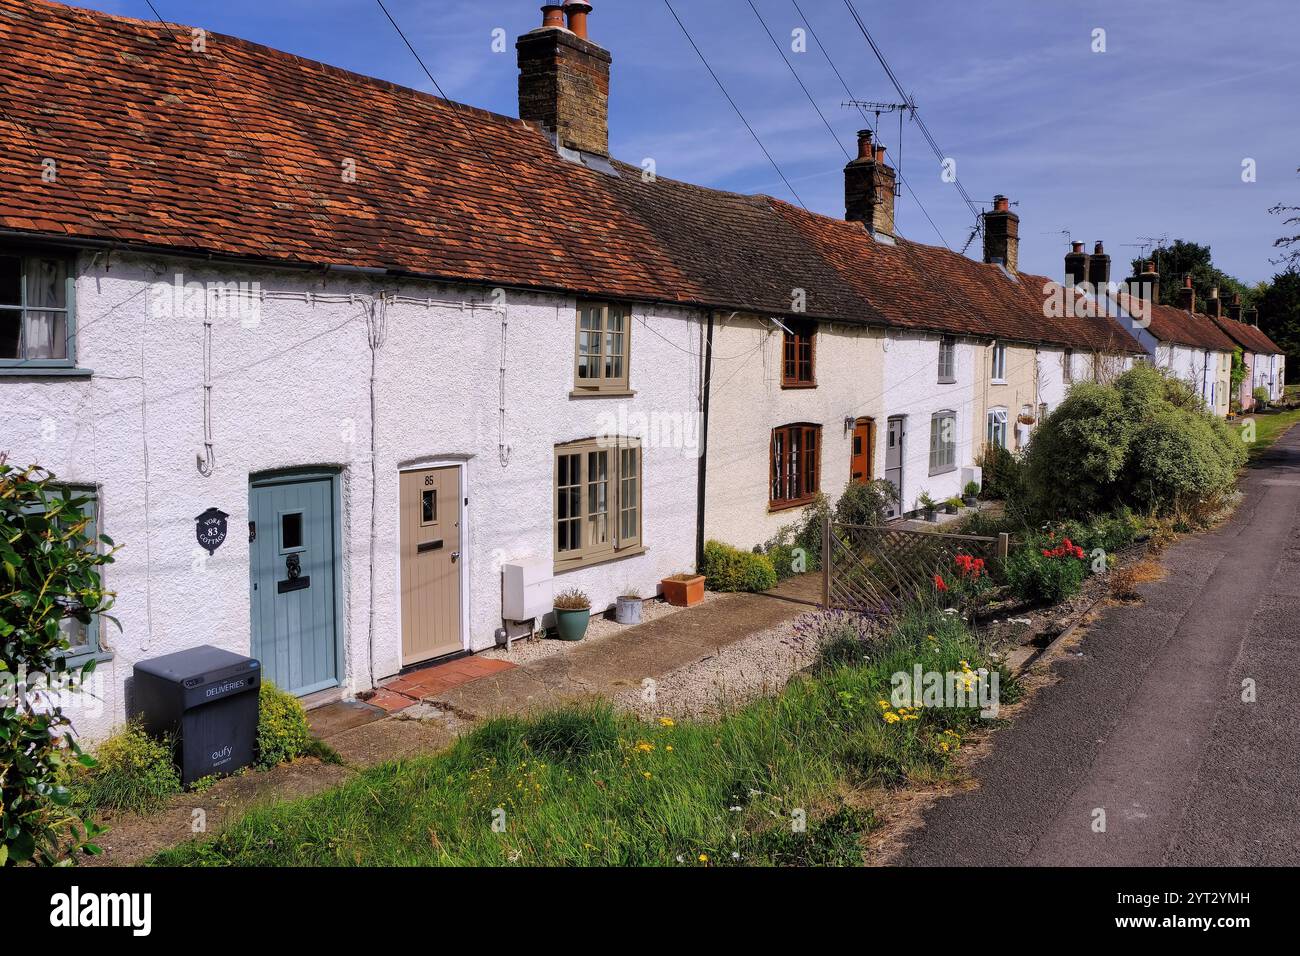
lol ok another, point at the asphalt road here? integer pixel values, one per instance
(1148, 722)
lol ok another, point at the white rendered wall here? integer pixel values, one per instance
(291, 389)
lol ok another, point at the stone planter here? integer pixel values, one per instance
(627, 610)
(683, 590)
(970, 501)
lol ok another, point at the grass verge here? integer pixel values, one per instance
(1269, 427)
(770, 784)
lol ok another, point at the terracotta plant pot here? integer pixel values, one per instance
(683, 590)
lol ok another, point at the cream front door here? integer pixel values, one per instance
(431, 555)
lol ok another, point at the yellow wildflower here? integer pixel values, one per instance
(666, 722)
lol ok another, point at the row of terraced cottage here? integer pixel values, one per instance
(413, 348)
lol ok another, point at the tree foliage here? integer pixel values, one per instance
(50, 561)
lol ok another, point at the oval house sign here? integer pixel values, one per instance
(210, 529)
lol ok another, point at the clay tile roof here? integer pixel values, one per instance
(241, 151)
(1180, 327)
(1247, 336)
(930, 288)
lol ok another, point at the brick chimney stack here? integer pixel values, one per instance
(1099, 268)
(564, 79)
(869, 187)
(1234, 307)
(1214, 305)
(1187, 295)
(1076, 265)
(1002, 234)
(1146, 286)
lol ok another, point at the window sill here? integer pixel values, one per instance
(602, 393)
(948, 381)
(598, 559)
(77, 661)
(776, 506)
(997, 381)
(796, 385)
(39, 371)
(947, 470)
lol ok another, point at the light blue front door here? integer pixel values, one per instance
(293, 561)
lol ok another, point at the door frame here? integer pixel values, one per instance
(461, 464)
(872, 442)
(289, 476)
(902, 457)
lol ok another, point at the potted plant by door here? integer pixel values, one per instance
(952, 505)
(572, 612)
(683, 589)
(627, 608)
(971, 494)
(928, 506)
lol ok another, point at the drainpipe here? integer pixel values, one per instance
(704, 445)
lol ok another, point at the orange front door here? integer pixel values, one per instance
(864, 450)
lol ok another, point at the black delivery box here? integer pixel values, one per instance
(207, 699)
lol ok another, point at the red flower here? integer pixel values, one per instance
(938, 583)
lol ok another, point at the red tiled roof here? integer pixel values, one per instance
(1180, 327)
(1247, 336)
(239, 151)
(931, 288)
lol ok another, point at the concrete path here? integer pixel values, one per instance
(624, 660)
(1148, 723)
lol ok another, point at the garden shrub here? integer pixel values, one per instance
(1147, 442)
(282, 731)
(1078, 453)
(133, 772)
(729, 569)
(865, 503)
(1050, 575)
(50, 572)
(1001, 474)
(1262, 397)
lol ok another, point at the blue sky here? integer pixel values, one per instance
(1145, 139)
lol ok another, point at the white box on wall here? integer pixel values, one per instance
(527, 589)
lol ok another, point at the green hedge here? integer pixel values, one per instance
(729, 569)
(132, 772)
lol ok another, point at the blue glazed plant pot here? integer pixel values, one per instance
(571, 625)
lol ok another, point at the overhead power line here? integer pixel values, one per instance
(866, 119)
(920, 123)
(718, 81)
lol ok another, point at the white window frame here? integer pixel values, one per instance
(999, 371)
(997, 425)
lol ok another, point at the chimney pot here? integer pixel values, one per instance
(1187, 295)
(552, 15)
(577, 11)
(1187, 281)
(880, 154)
(1001, 203)
(864, 144)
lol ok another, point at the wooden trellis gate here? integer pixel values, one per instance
(874, 569)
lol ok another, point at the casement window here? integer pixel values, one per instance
(1067, 366)
(597, 501)
(37, 326)
(943, 442)
(947, 360)
(795, 464)
(799, 355)
(997, 427)
(602, 353)
(999, 362)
